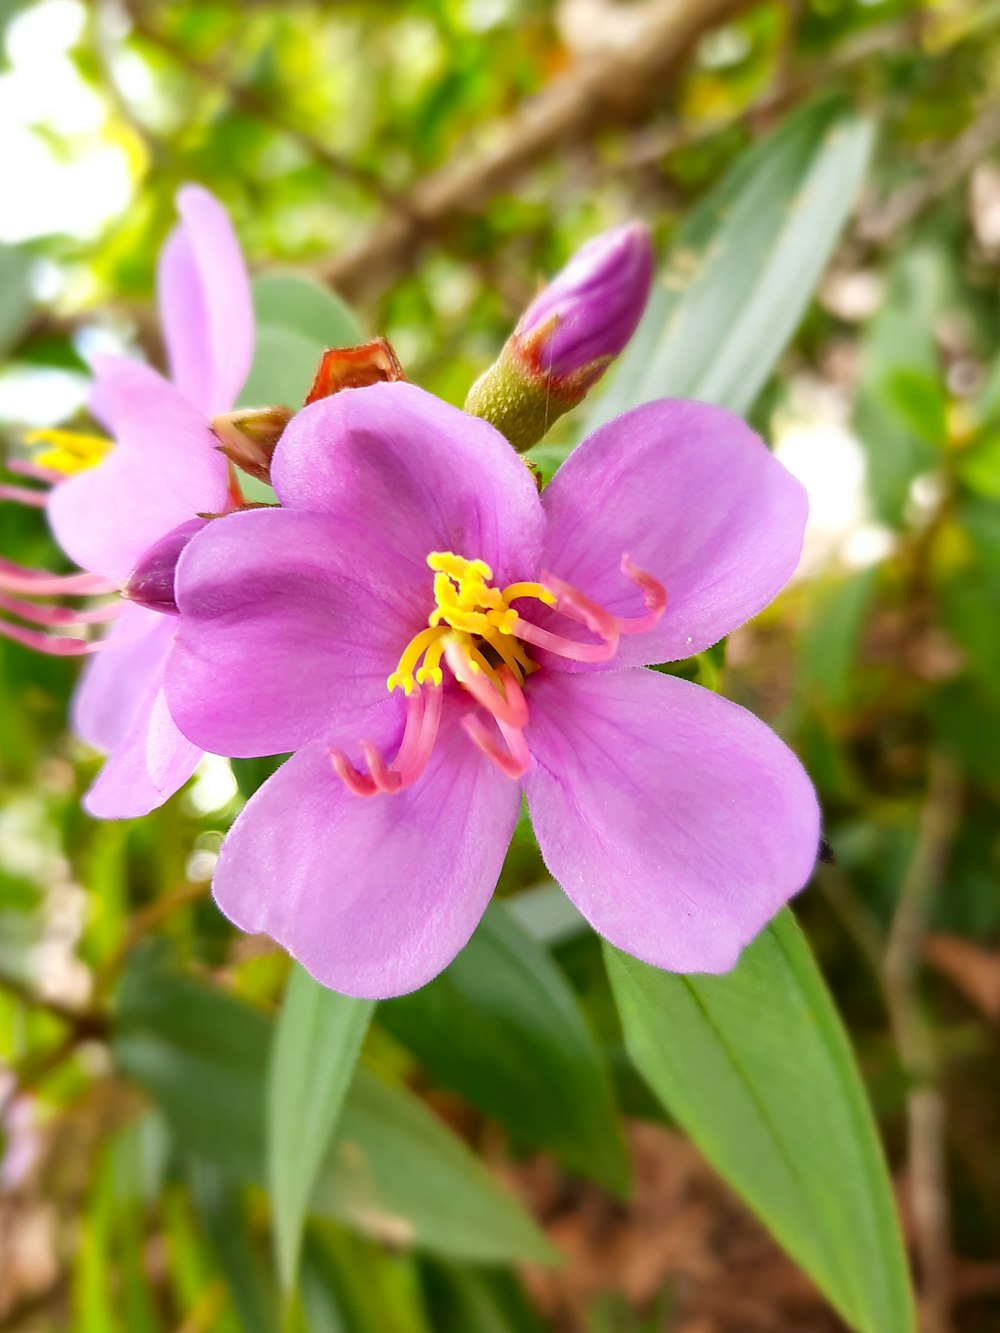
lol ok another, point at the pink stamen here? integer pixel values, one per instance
(511, 710)
(24, 495)
(53, 645)
(423, 717)
(514, 760)
(654, 595)
(51, 616)
(563, 647)
(359, 784)
(608, 627)
(24, 467)
(40, 583)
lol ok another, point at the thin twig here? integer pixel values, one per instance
(914, 1042)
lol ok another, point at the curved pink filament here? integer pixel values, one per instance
(654, 595)
(51, 616)
(514, 760)
(423, 717)
(511, 710)
(24, 467)
(53, 645)
(40, 583)
(563, 647)
(24, 495)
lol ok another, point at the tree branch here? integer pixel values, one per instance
(599, 91)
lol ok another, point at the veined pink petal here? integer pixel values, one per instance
(205, 309)
(422, 474)
(373, 895)
(697, 501)
(676, 821)
(290, 625)
(164, 470)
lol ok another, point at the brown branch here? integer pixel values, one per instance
(925, 1104)
(601, 90)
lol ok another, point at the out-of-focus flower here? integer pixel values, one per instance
(164, 470)
(20, 1140)
(432, 638)
(568, 336)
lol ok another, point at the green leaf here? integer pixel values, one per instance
(223, 1215)
(744, 266)
(315, 1050)
(503, 1027)
(395, 1173)
(15, 296)
(394, 1170)
(201, 1054)
(756, 1067)
(296, 321)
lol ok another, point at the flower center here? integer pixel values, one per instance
(472, 625)
(481, 637)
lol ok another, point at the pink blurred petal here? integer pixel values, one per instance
(374, 896)
(693, 496)
(205, 309)
(120, 708)
(676, 821)
(419, 472)
(164, 470)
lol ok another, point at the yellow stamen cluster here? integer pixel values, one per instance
(472, 614)
(68, 451)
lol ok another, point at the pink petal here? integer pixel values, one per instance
(164, 470)
(676, 821)
(418, 470)
(152, 762)
(696, 499)
(374, 896)
(120, 708)
(290, 625)
(205, 309)
(114, 682)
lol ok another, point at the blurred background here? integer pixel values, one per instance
(431, 161)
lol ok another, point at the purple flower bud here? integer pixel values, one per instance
(151, 583)
(588, 312)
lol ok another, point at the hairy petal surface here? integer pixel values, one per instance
(290, 625)
(676, 821)
(423, 475)
(205, 308)
(164, 470)
(374, 896)
(696, 499)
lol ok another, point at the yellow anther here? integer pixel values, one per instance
(536, 590)
(418, 645)
(69, 452)
(473, 615)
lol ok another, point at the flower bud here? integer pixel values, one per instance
(249, 435)
(151, 583)
(568, 336)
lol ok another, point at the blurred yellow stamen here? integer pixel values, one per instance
(69, 452)
(474, 615)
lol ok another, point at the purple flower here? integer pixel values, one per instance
(433, 638)
(589, 311)
(164, 470)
